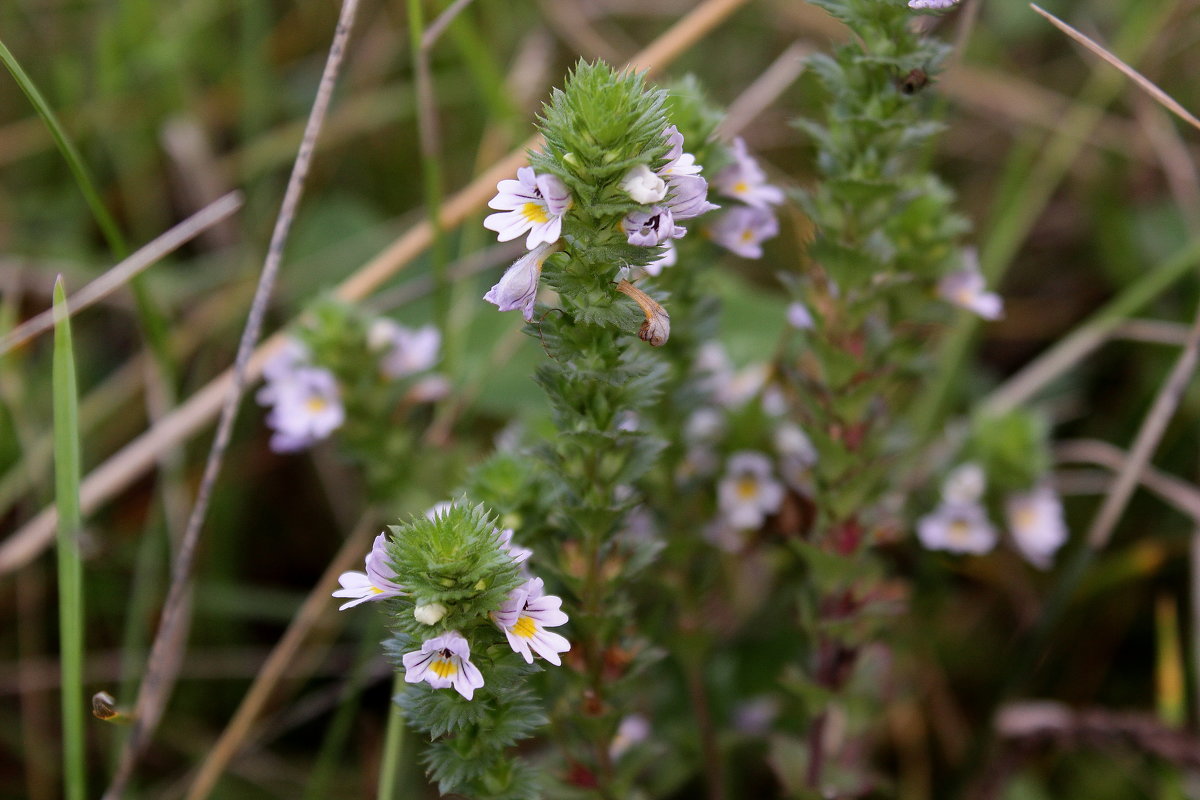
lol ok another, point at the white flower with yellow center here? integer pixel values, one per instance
(745, 180)
(377, 583)
(306, 402)
(749, 492)
(957, 528)
(442, 662)
(1035, 520)
(524, 618)
(534, 203)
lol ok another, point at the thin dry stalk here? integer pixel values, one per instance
(765, 89)
(1044, 722)
(1153, 331)
(1177, 165)
(1146, 441)
(140, 455)
(169, 640)
(1183, 496)
(278, 662)
(1141, 80)
(126, 270)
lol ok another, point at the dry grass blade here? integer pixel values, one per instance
(280, 659)
(1184, 496)
(1141, 80)
(141, 454)
(169, 640)
(127, 269)
(1148, 437)
(781, 74)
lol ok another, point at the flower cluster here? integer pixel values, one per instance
(960, 523)
(311, 383)
(524, 614)
(744, 227)
(599, 179)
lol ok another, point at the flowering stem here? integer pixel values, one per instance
(393, 746)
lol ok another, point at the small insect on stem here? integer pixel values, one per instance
(916, 80)
(104, 707)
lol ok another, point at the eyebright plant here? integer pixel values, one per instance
(467, 624)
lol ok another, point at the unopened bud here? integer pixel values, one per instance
(430, 614)
(643, 185)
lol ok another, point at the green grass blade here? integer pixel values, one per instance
(393, 746)
(108, 226)
(70, 569)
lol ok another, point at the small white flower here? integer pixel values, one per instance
(704, 425)
(524, 618)
(406, 351)
(774, 401)
(958, 529)
(633, 730)
(534, 203)
(643, 185)
(794, 444)
(964, 485)
(377, 583)
(799, 317)
(306, 402)
(749, 492)
(442, 662)
(517, 288)
(438, 509)
(429, 614)
(1035, 520)
(937, 5)
(966, 288)
(742, 385)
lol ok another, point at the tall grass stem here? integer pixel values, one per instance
(70, 568)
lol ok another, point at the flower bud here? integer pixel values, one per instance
(430, 614)
(643, 185)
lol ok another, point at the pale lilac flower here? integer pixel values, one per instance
(291, 356)
(704, 425)
(755, 716)
(519, 554)
(442, 662)
(774, 401)
(686, 197)
(966, 288)
(429, 389)
(651, 228)
(1035, 520)
(799, 317)
(534, 203)
(667, 259)
(936, 5)
(629, 421)
(794, 444)
(749, 492)
(958, 529)
(438, 509)
(745, 180)
(517, 288)
(377, 583)
(407, 351)
(306, 406)
(644, 185)
(964, 485)
(524, 617)
(742, 385)
(743, 229)
(633, 730)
